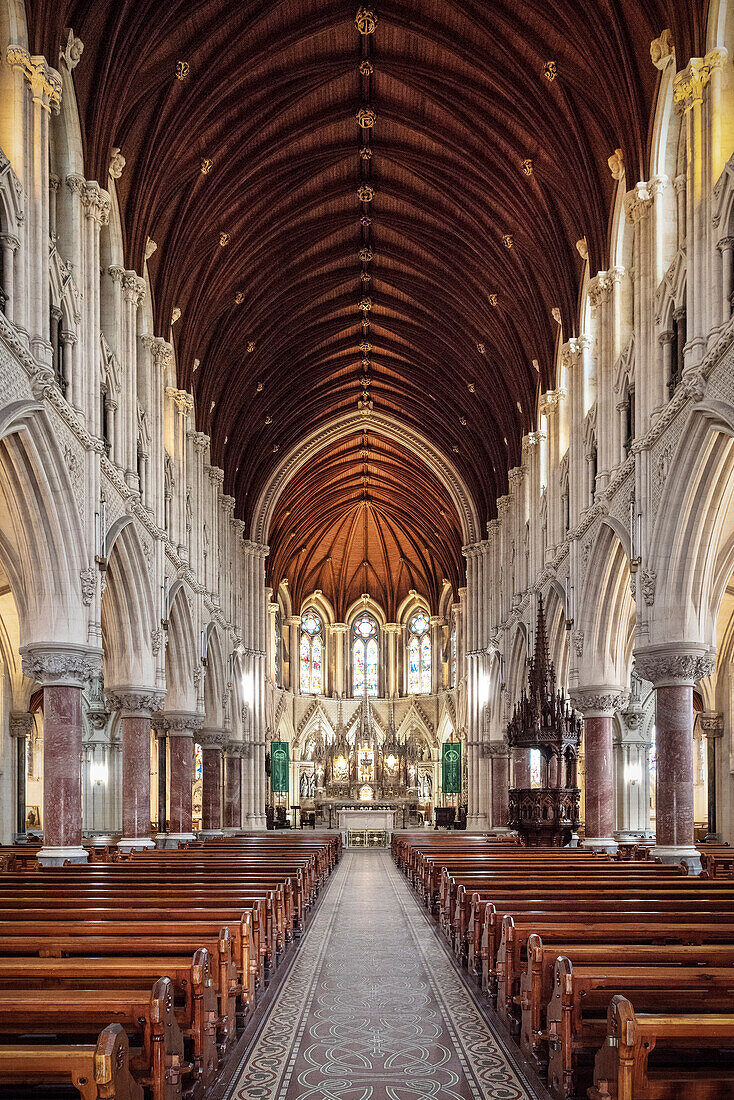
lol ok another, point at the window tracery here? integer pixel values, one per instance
(365, 655)
(419, 654)
(311, 654)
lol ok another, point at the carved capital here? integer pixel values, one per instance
(45, 82)
(637, 203)
(181, 399)
(213, 738)
(135, 702)
(689, 83)
(21, 724)
(72, 50)
(96, 203)
(711, 723)
(237, 750)
(178, 723)
(133, 288)
(674, 664)
(597, 702)
(50, 664)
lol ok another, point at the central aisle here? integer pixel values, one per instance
(373, 1008)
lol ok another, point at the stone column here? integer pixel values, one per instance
(233, 787)
(712, 728)
(181, 728)
(212, 744)
(21, 727)
(63, 671)
(137, 707)
(673, 669)
(500, 757)
(9, 244)
(339, 632)
(598, 706)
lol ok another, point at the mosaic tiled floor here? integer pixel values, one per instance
(373, 1008)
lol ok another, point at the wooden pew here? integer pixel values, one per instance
(98, 1071)
(537, 980)
(159, 1064)
(622, 1070)
(195, 996)
(576, 1014)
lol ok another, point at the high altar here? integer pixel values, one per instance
(357, 773)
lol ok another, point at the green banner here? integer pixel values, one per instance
(451, 768)
(279, 767)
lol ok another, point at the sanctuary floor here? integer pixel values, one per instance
(373, 1008)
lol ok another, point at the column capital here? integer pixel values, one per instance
(662, 50)
(133, 288)
(72, 665)
(44, 81)
(96, 202)
(179, 723)
(689, 83)
(710, 721)
(637, 202)
(496, 749)
(342, 628)
(599, 702)
(675, 664)
(200, 441)
(237, 750)
(183, 401)
(21, 723)
(213, 738)
(135, 702)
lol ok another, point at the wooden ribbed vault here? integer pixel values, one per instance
(461, 99)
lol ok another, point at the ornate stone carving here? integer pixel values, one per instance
(88, 578)
(72, 51)
(616, 164)
(674, 664)
(582, 248)
(156, 641)
(662, 50)
(593, 702)
(689, 84)
(237, 749)
(213, 739)
(181, 399)
(21, 724)
(96, 203)
(135, 702)
(179, 723)
(365, 21)
(577, 640)
(117, 163)
(69, 664)
(648, 578)
(45, 82)
(150, 247)
(366, 117)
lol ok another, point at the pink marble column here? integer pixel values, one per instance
(136, 710)
(674, 669)
(233, 787)
(180, 783)
(598, 705)
(500, 786)
(62, 777)
(674, 800)
(212, 744)
(62, 671)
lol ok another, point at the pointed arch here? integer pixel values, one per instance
(127, 611)
(181, 655)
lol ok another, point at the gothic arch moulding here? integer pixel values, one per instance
(348, 425)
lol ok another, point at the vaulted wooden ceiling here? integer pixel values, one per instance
(466, 254)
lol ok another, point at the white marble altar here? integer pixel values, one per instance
(377, 820)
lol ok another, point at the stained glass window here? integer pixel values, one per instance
(311, 654)
(535, 767)
(278, 650)
(452, 656)
(365, 656)
(419, 654)
(198, 762)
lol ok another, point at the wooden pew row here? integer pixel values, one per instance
(195, 996)
(678, 1043)
(605, 911)
(59, 912)
(538, 980)
(98, 1071)
(158, 1062)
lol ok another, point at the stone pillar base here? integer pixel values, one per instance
(135, 843)
(57, 857)
(476, 822)
(231, 831)
(600, 844)
(675, 853)
(211, 832)
(172, 840)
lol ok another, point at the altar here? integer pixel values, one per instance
(366, 828)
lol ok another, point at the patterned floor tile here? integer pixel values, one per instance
(373, 1009)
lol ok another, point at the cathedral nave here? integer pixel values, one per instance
(366, 548)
